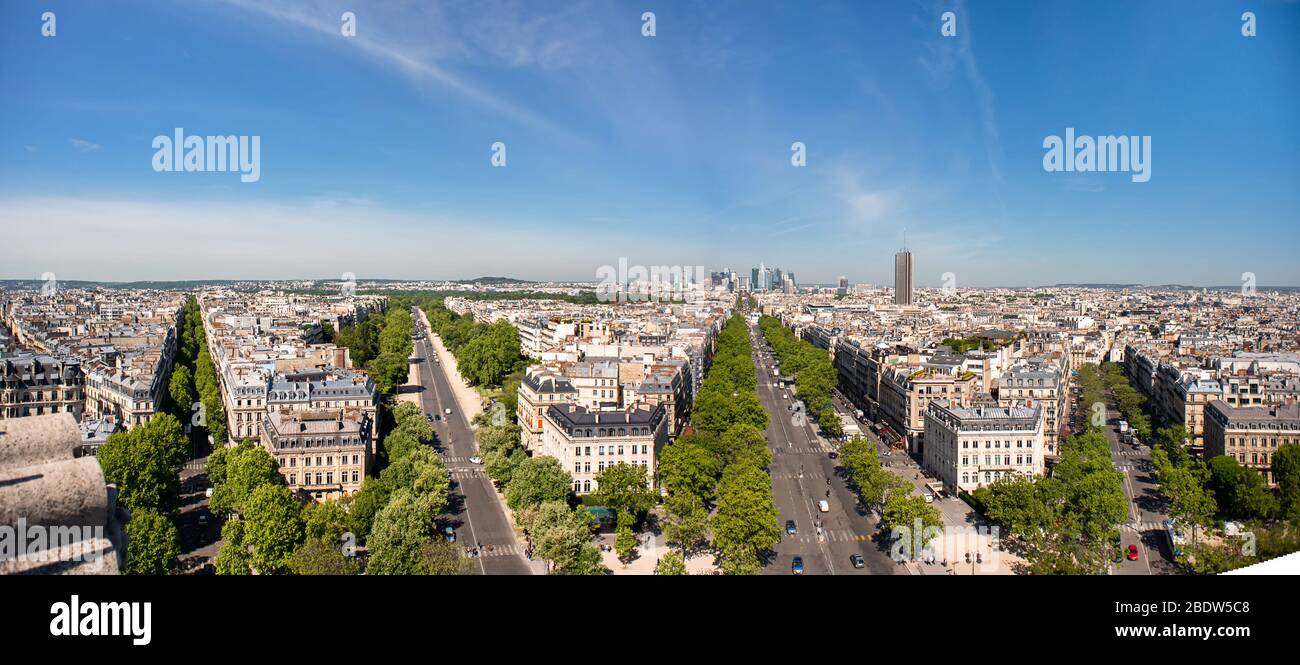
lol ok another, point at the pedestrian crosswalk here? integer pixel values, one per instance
(1142, 527)
(470, 472)
(787, 450)
(510, 549)
(832, 535)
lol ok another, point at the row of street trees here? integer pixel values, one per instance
(486, 353)
(1202, 495)
(382, 345)
(881, 489)
(144, 463)
(268, 530)
(1068, 522)
(716, 476)
(815, 376)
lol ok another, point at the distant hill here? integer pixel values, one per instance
(498, 280)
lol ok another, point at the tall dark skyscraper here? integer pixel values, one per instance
(903, 277)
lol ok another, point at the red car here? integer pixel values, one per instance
(1132, 552)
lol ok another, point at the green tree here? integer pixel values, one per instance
(153, 544)
(326, 521)
(273, 528)
(181, 391)
(401, 531)
(562, 537)
(745, 524)
(365, 504)
(233, 557)
(144, 462)
(422, 472)
(687, 522)
(625, 488)
(1286, 472)
(671, 563)
(248, 467)
(536, 481)
(624, 540)
(686, 467)
(443, 557)
(1241, 492)
(912, 520)
(321, 557)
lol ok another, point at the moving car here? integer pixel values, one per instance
(1132, 552)
(791, 528)
(476, 460)
(447, 411)
(834, 455)
(824, 506)
(796, 566)
(857, 561)
(784, 396)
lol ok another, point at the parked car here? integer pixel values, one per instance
(796, 566)
(1132, 552)
(858, 561)
(834, 455)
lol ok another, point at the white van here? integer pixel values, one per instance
(823, 506)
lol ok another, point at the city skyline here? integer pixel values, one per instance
(622, 145)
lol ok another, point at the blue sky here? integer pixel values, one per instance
(670, 150)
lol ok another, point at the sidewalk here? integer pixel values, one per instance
(699, 564)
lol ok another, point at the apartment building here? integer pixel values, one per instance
(323, 453)
(586, 442)
(1251, 434)
(906, 392)
(1041, 384)
(41, 384)
(968, 447)
(539, 390)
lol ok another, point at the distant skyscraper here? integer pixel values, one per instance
(903, 277)
(842, 287)
(754, 281)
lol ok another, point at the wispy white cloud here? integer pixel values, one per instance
(384, 38)
(83, 145)
(32, 148)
